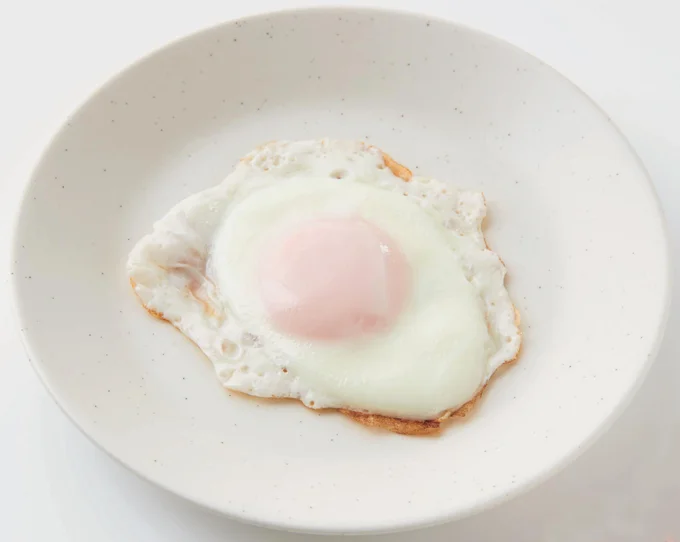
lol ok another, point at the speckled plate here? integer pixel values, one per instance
(571, 211)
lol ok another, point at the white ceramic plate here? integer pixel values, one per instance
(571, 211)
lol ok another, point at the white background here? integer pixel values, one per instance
(55, 485)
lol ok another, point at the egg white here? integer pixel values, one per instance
(196, 269)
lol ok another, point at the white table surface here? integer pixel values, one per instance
(56, 486)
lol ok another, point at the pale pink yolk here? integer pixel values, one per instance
(334, 278)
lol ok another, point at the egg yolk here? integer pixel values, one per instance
(333, 278)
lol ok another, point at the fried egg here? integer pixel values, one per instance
(324, 271)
